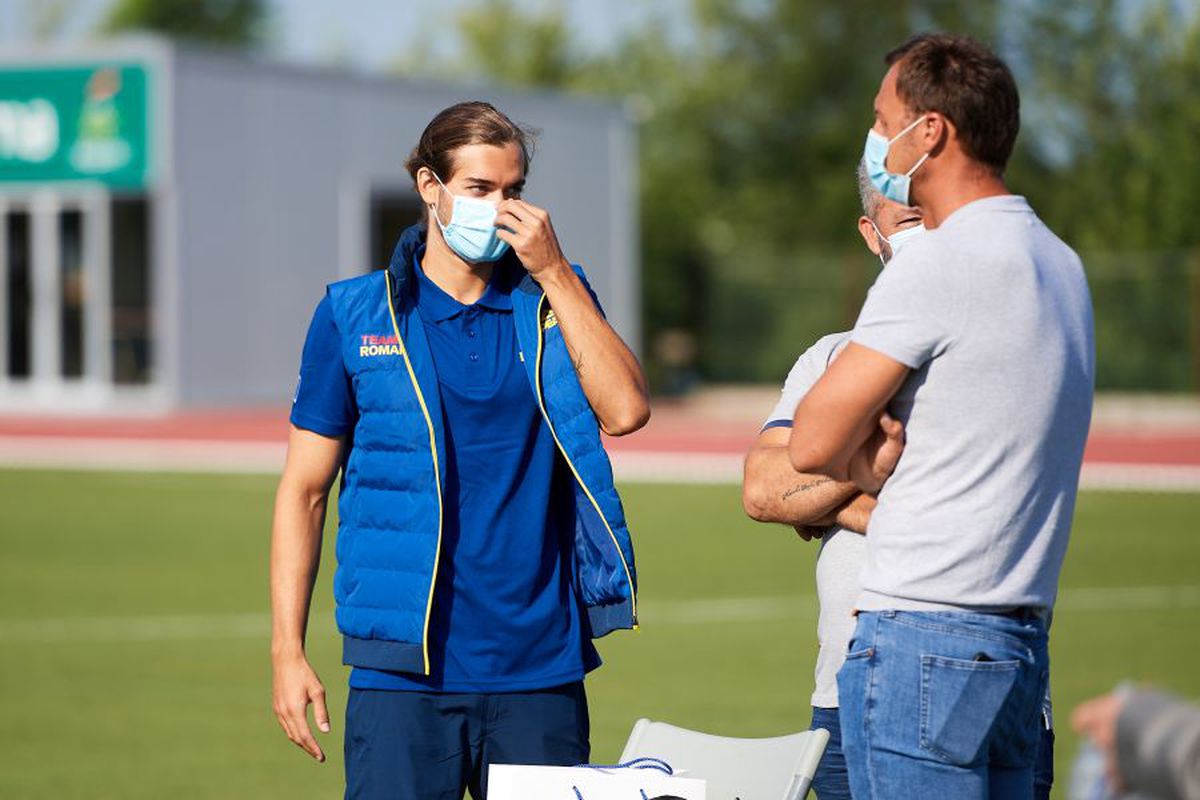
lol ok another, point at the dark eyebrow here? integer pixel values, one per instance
(484, 183)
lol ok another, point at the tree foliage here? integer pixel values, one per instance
(228, 22)
(751, 128)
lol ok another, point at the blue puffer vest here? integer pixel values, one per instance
(390, 504)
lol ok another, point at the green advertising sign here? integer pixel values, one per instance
(75, 123)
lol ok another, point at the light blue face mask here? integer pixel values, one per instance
(892, 186)
(896, 240)
(472, 231)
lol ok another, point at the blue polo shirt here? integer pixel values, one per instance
(505, 614)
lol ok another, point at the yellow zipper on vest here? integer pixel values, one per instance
(437, 473)
(542, 405)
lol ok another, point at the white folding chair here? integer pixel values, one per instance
(776, 768)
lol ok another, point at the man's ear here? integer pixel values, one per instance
(427, 186)
(937, 132)
(867, 231)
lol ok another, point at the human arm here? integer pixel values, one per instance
(296, 531)
(914, 314)
(772, 491)
(841, 428)
(323, 412)
(768, 461)
(855, 513)
(1151, 741)
(611, 377)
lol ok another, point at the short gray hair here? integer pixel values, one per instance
(867, 193)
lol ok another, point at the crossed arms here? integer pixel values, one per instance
(840, 450)
(773, 491)
(841, 428)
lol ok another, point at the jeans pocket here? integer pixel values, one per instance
(960, 701)
(855, 650)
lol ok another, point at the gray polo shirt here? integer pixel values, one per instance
(991, 311)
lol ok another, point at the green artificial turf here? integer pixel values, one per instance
(134, 640)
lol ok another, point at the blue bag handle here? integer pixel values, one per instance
(644, 762)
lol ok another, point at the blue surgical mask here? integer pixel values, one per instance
(472, 231)
(897, 239)
(892, 186)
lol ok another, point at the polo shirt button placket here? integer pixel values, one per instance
(472, 317)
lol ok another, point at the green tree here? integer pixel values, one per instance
(516, 48)
(751, 129)
(1114, 92)
(239, 23)
(47, 19)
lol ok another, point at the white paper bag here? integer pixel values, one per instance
(521, 782)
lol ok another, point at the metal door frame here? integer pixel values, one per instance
(46, 381)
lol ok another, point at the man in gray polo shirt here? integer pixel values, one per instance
(837, 514)
(963, 400)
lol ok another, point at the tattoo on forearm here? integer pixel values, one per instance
(577, 357)
(804, 487)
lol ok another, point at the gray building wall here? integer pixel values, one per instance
(266, 200)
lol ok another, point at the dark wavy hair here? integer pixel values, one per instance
(462, 124)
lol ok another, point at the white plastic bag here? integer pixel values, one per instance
(620, 782)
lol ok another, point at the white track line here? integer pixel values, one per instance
(151, 455)
(1128, 598)
(630, 466)
(1140, 477)
(136, 628)
(726, 468)
(663, 612)
(636, 466)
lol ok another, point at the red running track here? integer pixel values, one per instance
(672, 430)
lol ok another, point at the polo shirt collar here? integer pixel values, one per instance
(998, 203)
(436, 306)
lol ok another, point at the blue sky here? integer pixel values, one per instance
(368, 34)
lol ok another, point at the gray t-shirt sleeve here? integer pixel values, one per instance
(911, 313)
(804, 374)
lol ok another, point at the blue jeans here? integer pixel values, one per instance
(831, 781)
(434, 746)
(941, 704)
(1043, 770)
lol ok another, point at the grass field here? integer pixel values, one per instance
(133, 629)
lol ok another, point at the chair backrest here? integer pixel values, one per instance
(777, 768)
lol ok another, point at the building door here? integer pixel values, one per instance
(56, 339)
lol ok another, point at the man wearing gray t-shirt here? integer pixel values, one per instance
(838, 514)
(963, 399)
